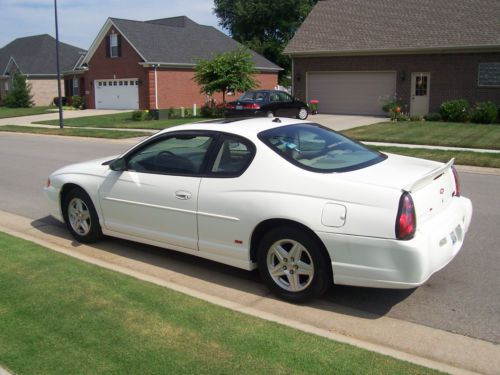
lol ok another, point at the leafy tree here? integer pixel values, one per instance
(232, 70)
(264, 26)
(19, 95)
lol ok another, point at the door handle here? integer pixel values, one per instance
(183, 195)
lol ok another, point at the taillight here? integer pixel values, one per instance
(406, 221)
(230, 106)
(251, 106)
(457, 181)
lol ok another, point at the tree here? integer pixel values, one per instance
(232, 70)
(264, 26)
(19, 94)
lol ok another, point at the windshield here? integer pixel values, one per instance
(319, 149)
(254, 95)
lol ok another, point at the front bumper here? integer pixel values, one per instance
(386, 263)
(53, 201)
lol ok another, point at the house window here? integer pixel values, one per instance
(489, 74)
(76, 90)
(113, 45)
(6, 86)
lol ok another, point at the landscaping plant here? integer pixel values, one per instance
(455, 110)
(484, 113)
(19, 96)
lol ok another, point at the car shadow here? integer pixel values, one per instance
(368, 303)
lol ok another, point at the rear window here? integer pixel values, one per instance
(254, 95)
(319, 149)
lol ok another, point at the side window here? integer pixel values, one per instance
(274, 97)
(233, 157)
(284, 97)
(178, 154)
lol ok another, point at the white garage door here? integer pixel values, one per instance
(359, 93)
(117, 94)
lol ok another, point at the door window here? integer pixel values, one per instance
(420, 85)
(284, 97)
(233, 156)
(181, 154)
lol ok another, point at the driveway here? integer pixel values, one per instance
(26, 120)
(343, 122)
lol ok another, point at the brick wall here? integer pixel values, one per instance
(43, 90)
(176, 88)
(453, 76)
(125, 66)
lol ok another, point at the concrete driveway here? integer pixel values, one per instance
(343, 122)
(27, 120)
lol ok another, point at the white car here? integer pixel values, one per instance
(307, 206)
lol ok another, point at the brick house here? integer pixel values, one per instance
(352, 55)
(150, 64)
(35, 58)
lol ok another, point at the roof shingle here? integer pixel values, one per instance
(343, 26)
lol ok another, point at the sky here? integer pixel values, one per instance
(81, 20)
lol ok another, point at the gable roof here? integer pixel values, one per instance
(357, 26)
(36, 55)
(176, 41)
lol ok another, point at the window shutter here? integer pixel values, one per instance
(107, 45)
(119, 40)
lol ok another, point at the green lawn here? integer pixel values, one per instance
(430, 133)
(75, 132)
(59, 315)
(17, 112)
(121, 120)
(478, 159)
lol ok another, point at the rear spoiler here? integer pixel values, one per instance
(424, 180)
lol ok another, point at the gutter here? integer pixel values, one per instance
(149, 64)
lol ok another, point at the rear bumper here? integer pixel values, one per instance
(244, 113)
(386, 263)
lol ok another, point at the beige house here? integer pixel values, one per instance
(35, 58)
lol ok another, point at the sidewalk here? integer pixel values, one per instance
(27, 120)
(434, 348)
(446, 148)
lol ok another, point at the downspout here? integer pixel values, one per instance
(156, 87)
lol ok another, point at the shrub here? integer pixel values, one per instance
(212, 110)
(455, 110)
(433, 116)
(77, 102)
(56, 100)
(416, 118)
(19, 96)
(484, 113)
(138, 115)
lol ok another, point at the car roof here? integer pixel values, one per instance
(247, 127)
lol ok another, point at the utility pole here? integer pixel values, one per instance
(58, 69)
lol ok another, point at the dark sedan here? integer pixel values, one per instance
(267, 103)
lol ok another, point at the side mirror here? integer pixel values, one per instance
(118, 165)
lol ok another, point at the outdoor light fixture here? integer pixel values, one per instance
(402, 75)
(298, 76)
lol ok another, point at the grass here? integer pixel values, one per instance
(74, 132)
(121, 120)
(6, 112)
(431, 133)
(478, 159)
(59, 315)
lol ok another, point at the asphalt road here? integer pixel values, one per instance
(463, 298)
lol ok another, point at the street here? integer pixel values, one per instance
(463, 298)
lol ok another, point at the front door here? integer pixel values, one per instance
(420, 87)
(156, 197)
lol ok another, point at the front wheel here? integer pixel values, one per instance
(303, 113)
(81, 217)
(293, 264)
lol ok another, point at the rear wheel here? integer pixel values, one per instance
(293, 264)
(81, 217)
(303, 113)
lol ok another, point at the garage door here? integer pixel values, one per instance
(359, 93)
(117, 94)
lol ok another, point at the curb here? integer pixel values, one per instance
(440, 350)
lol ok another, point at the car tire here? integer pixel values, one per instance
(292, 278)
(303, 113)
(81, 217)
(270, 114)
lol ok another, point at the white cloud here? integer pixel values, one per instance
(80, 21)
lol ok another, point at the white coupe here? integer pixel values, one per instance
(307, 206)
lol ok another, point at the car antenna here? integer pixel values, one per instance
(277, 120)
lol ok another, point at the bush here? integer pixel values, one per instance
(455, 110)
(56, 101)
(177, 112)
(77, 102)
(212, 110)
(139, 115)
(416, 118)
(433, 116)
(484, 113)
(19, 96)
